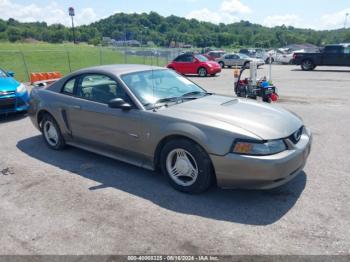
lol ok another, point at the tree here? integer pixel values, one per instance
(3, 26)
(163, 30)
(13, 34)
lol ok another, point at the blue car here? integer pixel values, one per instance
(14, 96)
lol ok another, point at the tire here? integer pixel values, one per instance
(246, 65)
(222, 64)
(307, 65)
(202, 72)
(267, 100)
(184, 157)
(52, 133)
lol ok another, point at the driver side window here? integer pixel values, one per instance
(100, 88)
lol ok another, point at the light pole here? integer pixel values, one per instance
(144, 30)
(346, 20)
(72, 14)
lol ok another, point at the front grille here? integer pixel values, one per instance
(7, 93)
(20, 103)
(7, 103)
(295, 137)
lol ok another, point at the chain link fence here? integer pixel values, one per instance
(24, 62)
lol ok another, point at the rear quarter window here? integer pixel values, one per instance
(68, 88)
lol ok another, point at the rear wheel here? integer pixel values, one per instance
(52, 133)
(202, 72)
(307, 65)
(246, 65)
(187, 166)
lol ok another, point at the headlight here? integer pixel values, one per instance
(210, 65)
(21, 89)
(259, 148)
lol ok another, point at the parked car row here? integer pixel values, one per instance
(281, 55)
(197, 64)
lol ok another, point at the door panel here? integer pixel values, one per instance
(333, 55)
(94, 124)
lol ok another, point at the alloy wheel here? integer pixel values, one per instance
(182, 167)
(50, 133)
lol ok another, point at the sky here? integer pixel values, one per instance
(315, 14)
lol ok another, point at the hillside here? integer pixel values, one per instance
(163, 30)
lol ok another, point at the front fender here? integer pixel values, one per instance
(187, 130)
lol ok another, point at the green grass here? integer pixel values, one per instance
(24, 59)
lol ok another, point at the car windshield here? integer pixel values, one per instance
(156, 86)
(243, 56)
(2, 73)
(201, 58)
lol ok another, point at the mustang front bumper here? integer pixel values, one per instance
(263, 172)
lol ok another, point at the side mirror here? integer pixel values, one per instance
(10, 73)
(120, 104)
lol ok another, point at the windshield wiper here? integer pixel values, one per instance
(166, 101)
(163, 101)
(195, 93)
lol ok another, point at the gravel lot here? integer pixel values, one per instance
(75, 202)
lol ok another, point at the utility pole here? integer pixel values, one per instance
(72, 14)
(346, 20)
(144, 30)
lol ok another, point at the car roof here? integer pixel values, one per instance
(119, 69)
(217, 51)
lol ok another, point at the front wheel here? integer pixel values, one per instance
(202, 72)
(222, 64)
(187, 166)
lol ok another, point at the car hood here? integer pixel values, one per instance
(261, 119)
(8, 84)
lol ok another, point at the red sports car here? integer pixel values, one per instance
(191, 64)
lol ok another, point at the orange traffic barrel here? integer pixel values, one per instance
(34, 77)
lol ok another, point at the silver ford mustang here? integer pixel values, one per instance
(156, 119)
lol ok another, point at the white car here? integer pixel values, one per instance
(280, 56)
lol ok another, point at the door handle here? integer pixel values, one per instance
(75, 107)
